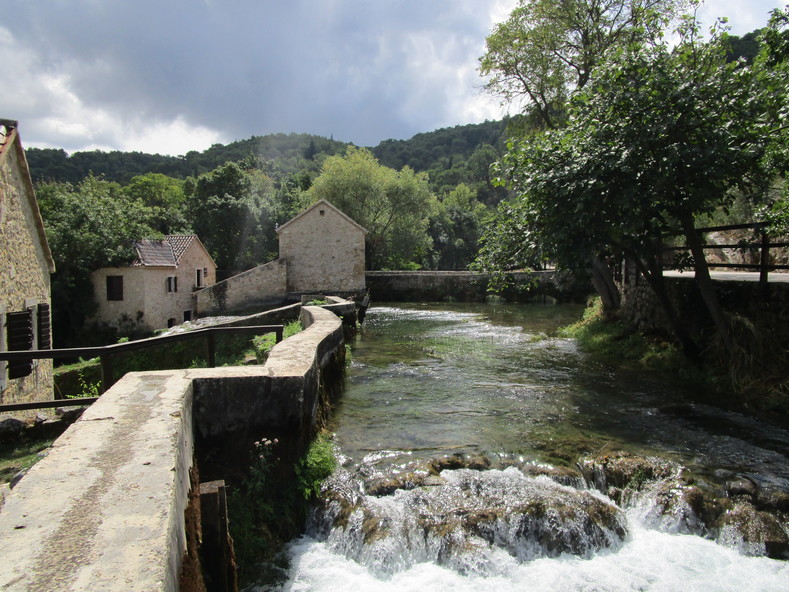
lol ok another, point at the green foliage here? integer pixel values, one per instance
(613, 340)
(262, 344)
(315, 466)
(87, 389)
(546, 50)
(89, 226)
(393, 206)
(455, 228)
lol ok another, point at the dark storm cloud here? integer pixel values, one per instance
(360, 70)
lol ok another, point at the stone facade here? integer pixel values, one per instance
(152, 293)
(25, 265)
(324, 251)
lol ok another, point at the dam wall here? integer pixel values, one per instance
(108, 507)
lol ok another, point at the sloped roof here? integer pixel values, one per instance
(9, 139)
(323, 202)
(165, 252)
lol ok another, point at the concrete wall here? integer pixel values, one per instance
(259, 286)
(24, 268)
(324, 251)
(105, 509)
(468, 286)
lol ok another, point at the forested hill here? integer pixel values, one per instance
(287, 154)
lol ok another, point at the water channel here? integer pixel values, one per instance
(495, 384)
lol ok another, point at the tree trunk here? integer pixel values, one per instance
(653, 273)
(604, 284)
(704, 282)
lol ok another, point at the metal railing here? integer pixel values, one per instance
(763, 245)
(107, 353)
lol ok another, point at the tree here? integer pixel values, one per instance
(546, 49)
(165, 196)
(225, 210)
(772, 67)
(393, 206)
(657, 138)
(455, 228)
(89, 226)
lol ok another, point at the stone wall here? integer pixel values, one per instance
(105, 509)
(25, 265)
(641, 307)
(468, 286)
(260, 286)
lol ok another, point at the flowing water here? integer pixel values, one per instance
(494, 384)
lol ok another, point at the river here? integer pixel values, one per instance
(495, 385)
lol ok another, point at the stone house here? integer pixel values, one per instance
(324, 251)
(156, 290)
(321, 251)
(25, 265)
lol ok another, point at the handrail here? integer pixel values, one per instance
(764, 245)
(107, 352)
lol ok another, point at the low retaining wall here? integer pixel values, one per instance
(256, 287)
(105, 509)
(469, 286)
(641, 308)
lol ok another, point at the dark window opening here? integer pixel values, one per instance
(44, 326)
(187, 315)
(114, 287)
(19, 337)
(199, 278)
(170, 323)
(172, 283)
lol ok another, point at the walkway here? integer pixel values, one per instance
(732, 276)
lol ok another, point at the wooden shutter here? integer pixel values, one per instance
(19, 330)
(44, 326)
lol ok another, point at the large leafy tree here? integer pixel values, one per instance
(226, 209)
(772, 67)
(394, 206)
(165, 196)
(659, 137)
(546, 49)
(89, 226)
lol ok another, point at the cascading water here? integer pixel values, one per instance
(481, 454)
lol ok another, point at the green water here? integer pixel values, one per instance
(428, 380)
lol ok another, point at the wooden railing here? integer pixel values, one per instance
(763, 245)
(106, 354)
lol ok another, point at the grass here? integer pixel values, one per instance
(19, 456)
(262, 344)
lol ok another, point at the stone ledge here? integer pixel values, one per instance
(105, 509)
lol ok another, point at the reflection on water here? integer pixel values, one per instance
(496, 381)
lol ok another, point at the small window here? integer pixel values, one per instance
(199, 278)
(170, 323)
(114, 287)
(187, 315)
(323, 212)
(172, 283)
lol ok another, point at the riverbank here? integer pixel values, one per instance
(717, 384)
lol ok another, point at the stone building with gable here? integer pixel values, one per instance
(25, 266)
(156, 290)
(323, 249)
(321, 252)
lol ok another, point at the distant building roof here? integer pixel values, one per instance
(164, 252)
(319, 204)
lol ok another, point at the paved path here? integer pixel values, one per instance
(733, 276)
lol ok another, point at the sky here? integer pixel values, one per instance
(170, 76)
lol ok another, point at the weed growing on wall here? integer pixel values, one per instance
(315, 466)
(262, 344)
(270, 506)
